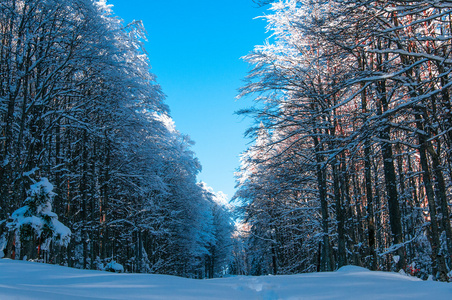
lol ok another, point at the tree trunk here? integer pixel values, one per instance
(342, 258)
(326, 263)
(390, 179)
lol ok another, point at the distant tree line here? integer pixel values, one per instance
(352, 160)
(85, 138)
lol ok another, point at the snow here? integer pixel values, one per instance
(23, 280)
(29, 173)
(19, 220)
(61, 233)
(167, 121)
(113, 266)
(44, 185)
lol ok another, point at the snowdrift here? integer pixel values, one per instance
(20, 280)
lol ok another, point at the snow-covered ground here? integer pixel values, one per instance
(26, 280)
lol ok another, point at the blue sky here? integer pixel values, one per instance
(195, 49)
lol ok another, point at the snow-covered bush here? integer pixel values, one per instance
(36, 222)
(114, 267)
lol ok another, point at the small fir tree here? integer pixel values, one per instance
(35, 225)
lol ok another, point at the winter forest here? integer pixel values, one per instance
(350, 161)
(93, 173)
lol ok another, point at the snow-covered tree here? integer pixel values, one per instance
(349, 92)
(35, 226)
(79, 106)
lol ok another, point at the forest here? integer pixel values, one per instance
(352, 156)
(350, 161)
(93, 173)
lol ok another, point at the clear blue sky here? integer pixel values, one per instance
(195, 49)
